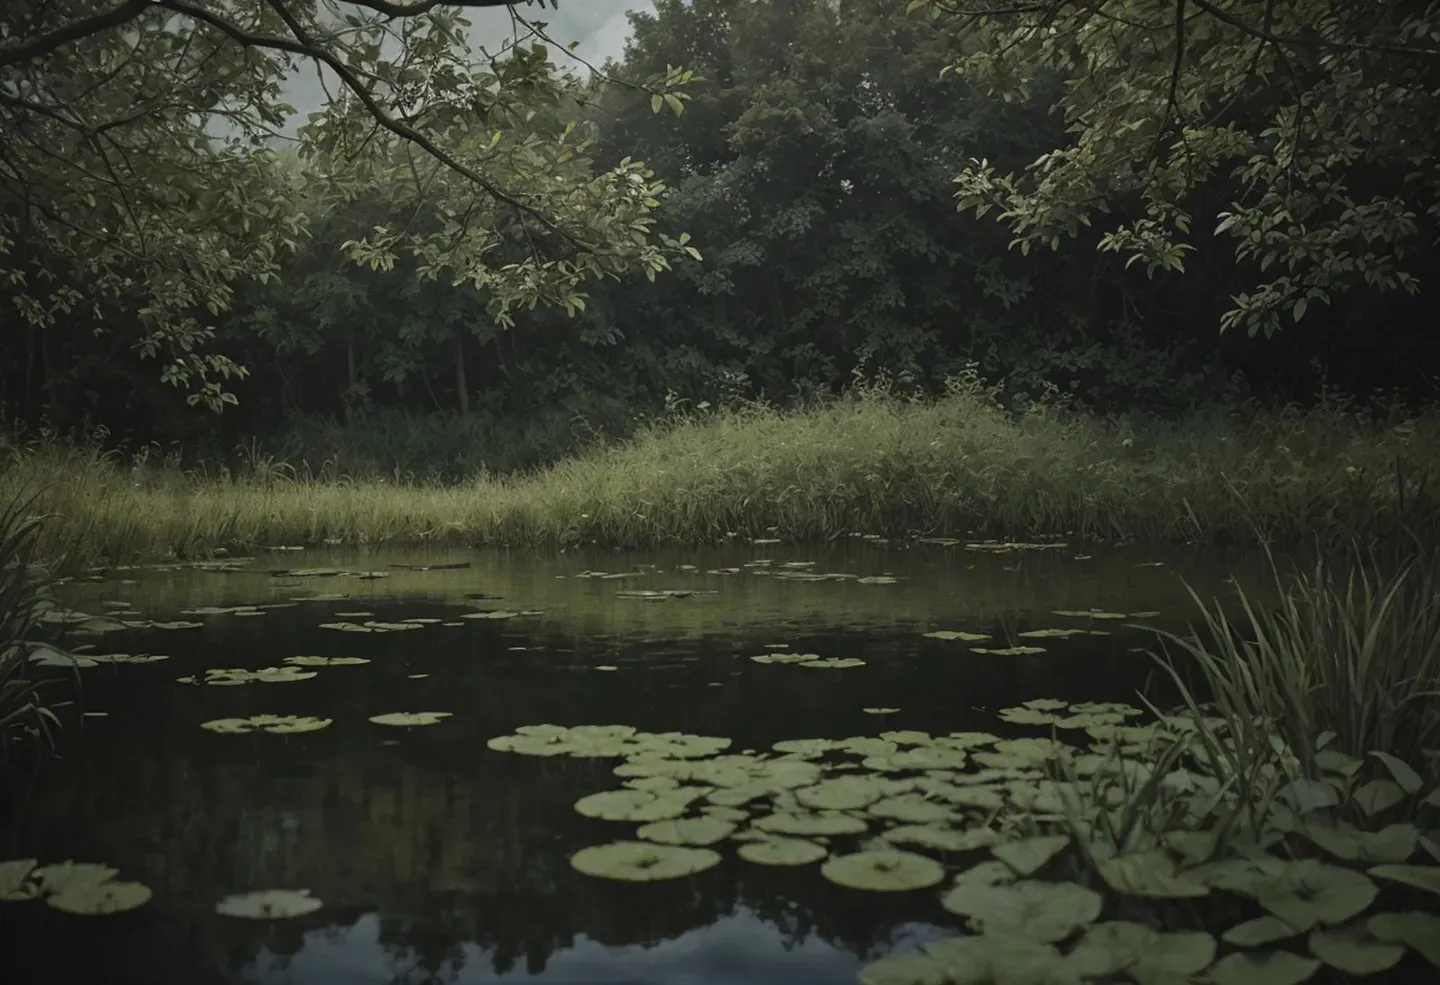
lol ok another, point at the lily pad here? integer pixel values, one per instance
(812, 823)
(833, 663)
(1426, 877)
(1262, 968)
(325, 661)
(1008, 651)
(1258, 932)
(1354, 951)
(638, 861)
(782, 851)
(1145, 954)
(15, 881)
(1417, 930)
(883, 871)
(408, 718)
(93, 899)
(880, 711)
(686, 831)
(1309, 892)
(954, 634)
(634, 805)
(269, 904)
(1032, 909)
(1030, 855)
(1150, 874)
(279, 724)
(939, 838)
(65, 876)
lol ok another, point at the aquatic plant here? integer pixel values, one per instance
(24, 596)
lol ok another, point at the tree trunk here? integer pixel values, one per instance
(462, 385)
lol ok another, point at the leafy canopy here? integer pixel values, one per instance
(1303, 129)
(137, 185)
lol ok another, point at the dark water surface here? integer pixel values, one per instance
(441, 860)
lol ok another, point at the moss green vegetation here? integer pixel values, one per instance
(24, 592)
(867, 463)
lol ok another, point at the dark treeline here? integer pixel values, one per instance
(814, 168)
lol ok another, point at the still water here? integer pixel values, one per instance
(440, 860)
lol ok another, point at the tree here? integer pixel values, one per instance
(136, 172)
(1301, 130)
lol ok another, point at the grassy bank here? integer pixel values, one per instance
(867, 463)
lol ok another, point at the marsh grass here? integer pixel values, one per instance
(24, 593)
(869, 462)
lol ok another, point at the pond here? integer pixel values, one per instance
(437, 857)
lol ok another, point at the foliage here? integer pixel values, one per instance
(135, 174)
(1300, 129)
(868, 463)
(24, 595)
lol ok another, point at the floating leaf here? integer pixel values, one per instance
(950, 634)
(686, 831)
(638, 861)
(1426, 877)
(15, 881)
(1309, 892)
(911, 809)
(1262, 968)
(92, 899)
(408, 718)
(879, 711)
(1150, 874)
(1260, 931)
(1030, 855)
(64, 876)
(1034, 910)
(325, 661)
(1008, 651)
(883, 871)
(1393, 843)
(1146, 955)
(1354, 951)
(1417, 930)
(634, 805)
(813, 823)
(279, 724)
(833, 663)
(941, 838)
(268, 904)
(782, 851)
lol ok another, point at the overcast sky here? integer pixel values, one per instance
(599, 25)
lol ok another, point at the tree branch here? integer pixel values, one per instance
(366, 97)
(49, 42)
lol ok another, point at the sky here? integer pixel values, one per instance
(599, 25)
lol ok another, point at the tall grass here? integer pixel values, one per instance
(1347, 662)
(24, 593)
(869, 462)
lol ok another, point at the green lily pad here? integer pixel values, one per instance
(127, 658)
(1258, 932)
(1145, 954)
(15, 881)
(811, 823)
(269, 904)
(833, 663)
(1150, 874)
(1309, 892)
(1354, 951)
(876, 580)
(1048, 634)
(1394, 843)
(952, 634)
(1426, 877)
(986, 960)
(843, 793)
(409, 718)
(1417, 930)
(942, 839)
(784, 658)
(883, 871)
(782, 851)
(911, 809)
(65, 876)
(1089, 614)
(325, 661)
(1030, 855)
(1008, 651)
(686, 831)
(1262, 968)
(1035, 910)
(94, 899)
(639, 861)
(879, 711)
(279, 724)
(634, 805)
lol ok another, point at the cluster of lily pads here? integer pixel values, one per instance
(1095, 845)
(91, 889)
